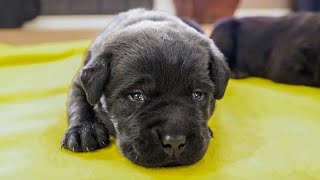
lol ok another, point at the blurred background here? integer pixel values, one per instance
(37, 21)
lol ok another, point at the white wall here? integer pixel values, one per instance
(245, 4)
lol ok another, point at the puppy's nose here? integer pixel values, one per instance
(174, 145)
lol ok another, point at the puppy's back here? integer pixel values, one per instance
(266, 46)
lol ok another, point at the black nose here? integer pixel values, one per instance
(174, 145)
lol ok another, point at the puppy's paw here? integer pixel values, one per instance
(86, 137)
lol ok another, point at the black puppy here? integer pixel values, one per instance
(151, 81)
(285, 49)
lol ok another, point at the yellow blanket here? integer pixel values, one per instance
(263, 130)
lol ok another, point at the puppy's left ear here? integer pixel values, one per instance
(219, 71)
(94, 76)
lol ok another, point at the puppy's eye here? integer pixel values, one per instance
(197, 95)
(136, 96)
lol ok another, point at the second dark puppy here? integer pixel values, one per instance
(285, 49)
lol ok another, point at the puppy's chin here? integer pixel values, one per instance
(150, 155)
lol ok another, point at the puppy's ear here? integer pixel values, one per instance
(94, 76)
(224, 36)
(219, 71)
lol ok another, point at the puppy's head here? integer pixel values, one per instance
(225, 37)
(160, 89)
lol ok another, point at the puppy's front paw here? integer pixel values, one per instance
(86, 137)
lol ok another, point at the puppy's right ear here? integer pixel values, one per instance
(94, 76)
(218, 71)
(224, 36)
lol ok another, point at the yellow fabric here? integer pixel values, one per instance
(263, 130)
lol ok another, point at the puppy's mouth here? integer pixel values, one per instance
(161, 159)
(172, 164)
(167, 162)
(149, 150)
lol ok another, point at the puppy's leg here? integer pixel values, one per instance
(85, 132)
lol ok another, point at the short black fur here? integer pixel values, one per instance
(164, 62)
(284, 49)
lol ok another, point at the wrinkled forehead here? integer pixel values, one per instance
(161, 48)
(168, 65)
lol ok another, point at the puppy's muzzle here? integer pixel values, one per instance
(173, 145)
